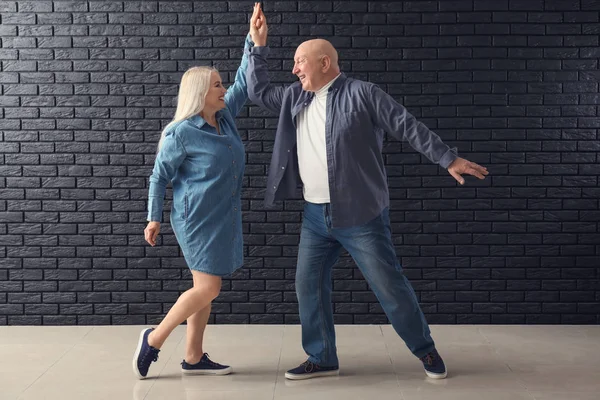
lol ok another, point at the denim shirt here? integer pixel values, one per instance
(357, 116)
(206, 169)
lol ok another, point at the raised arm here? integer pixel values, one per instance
(260, 89)
(237, 94)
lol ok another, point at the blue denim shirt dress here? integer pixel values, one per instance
(206, 170)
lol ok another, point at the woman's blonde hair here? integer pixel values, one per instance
(194, 86)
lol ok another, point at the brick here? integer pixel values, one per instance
(80, 129)
(93, 319)
(24, 320)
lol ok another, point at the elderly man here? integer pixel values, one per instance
(329, 141)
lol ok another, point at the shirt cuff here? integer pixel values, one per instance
(448, 157)
(154, 210)
(260, 50)
(249, 40)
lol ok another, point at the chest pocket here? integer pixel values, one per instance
(352, 123)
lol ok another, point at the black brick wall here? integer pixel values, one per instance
(87, 85)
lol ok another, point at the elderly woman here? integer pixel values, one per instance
(202, 154)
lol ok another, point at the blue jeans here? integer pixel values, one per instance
(371, 247)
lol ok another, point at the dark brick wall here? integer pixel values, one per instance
(87, 85)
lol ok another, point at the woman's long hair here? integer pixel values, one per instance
(192, 94)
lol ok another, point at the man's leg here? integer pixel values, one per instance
(317, 254)
(371, 247)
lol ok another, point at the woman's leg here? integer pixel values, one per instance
(198, 298)
(196, 324)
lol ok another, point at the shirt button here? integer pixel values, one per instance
(282, 167)
(288, 151)
(274, 187)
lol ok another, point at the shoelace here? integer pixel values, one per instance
(150, 356)
(308, 366)
(428, 358)
(210, 362)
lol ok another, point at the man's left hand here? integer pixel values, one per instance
(461, 166)
(258, 26)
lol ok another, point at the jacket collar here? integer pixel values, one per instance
(306, 97)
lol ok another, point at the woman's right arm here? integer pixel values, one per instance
(169, 158)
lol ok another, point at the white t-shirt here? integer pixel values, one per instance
(312, 152)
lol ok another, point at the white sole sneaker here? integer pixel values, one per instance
(437, 376)
(298, 377)
(224, 371)
(136, 371)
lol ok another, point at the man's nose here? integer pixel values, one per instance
(295, 70)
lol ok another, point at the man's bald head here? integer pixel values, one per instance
(316, 64)
(319, 48)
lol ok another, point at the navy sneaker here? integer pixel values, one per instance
(434, 365)
(308, 370)
(144, 355)
(205, 367)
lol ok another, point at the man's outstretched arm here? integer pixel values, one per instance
(392, 117)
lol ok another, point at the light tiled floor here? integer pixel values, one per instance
(484, 362)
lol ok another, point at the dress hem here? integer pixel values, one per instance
(214, 273)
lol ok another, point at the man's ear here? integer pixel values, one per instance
(325, 63)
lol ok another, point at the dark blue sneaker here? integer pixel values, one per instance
(434, 365)
(205, 367)
(144, 355)
(308, 370)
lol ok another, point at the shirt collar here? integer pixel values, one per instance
(199, 121)
(338, 81)
(325, 89)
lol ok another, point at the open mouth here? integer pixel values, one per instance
(302, 77)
